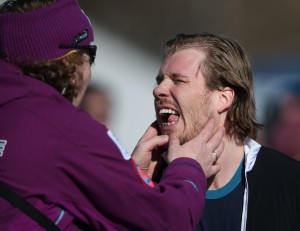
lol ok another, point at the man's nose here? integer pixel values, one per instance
(162, 89)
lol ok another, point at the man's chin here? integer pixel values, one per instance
(183, 139)
(164, 131)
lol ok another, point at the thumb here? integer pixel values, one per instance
(174, 143)
(145, 148)
(155, 141)
(151, 131)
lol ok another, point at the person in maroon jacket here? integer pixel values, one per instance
(68, 166)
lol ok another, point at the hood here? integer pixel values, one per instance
(14, 85)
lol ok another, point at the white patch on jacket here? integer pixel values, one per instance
(126, 155)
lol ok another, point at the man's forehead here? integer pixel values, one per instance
(182, 62)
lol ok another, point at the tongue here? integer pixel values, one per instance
(172, 118)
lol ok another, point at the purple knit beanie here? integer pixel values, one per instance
(38, 35)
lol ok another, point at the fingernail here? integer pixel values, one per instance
(165, 137)
(173, 136)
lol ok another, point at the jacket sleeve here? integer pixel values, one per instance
(180, 195)
(99, 186)
(103, 189)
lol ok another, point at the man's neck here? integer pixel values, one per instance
(229, 161)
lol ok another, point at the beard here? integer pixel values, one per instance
(196, 118)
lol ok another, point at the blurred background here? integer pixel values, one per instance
(130, 36)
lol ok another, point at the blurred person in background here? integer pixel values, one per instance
(97, 103)
(68, 171)
(282, 130)
(204, 76)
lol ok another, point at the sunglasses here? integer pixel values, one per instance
(91, 49)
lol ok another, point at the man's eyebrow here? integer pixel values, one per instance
(177, 75)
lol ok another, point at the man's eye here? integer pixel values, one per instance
(179, 81)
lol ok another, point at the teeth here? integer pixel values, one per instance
(167, 111)
(170, 111)
(168, 124)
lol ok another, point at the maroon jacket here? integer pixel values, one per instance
(69, 166)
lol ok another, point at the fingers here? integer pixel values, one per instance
(151, 131)
(209, 145)
(213, 170)
(148, 145)
(144, 152)
(206, 134)
(208, 130)
(215, 143)
(219, 149)
(214, 157)
(205, 148)
(173, 149)
(174, 142)
(155, 141)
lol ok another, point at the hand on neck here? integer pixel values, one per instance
(229, 160)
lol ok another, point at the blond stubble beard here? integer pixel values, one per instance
(199, 115)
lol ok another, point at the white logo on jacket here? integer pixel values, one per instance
(122, 149)
(2, 146)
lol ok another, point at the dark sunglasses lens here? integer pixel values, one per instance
(92, 51)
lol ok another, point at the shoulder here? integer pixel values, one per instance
(276, 158)
(62, 123)
(272, 164)
(273, 183)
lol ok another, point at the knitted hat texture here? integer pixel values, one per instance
(37, 35)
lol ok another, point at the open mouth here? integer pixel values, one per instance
(168, 117)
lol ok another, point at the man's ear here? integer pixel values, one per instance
(226, 97)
